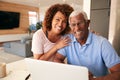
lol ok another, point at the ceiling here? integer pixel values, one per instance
(44, 3)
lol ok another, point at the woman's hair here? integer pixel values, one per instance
(65, 9)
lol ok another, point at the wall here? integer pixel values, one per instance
(114, 30)
(86, 7)
(24, 18)
(99, 16)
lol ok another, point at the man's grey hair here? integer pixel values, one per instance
(77, 12)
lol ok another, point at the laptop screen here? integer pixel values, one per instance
(45, 70)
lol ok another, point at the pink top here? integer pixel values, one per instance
(40, 43)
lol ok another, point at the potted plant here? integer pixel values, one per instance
(39, 25)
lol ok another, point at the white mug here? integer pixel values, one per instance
(2, 69)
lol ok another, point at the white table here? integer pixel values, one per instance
(16, 71)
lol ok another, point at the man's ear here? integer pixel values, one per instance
(88, 21)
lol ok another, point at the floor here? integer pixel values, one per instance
(8, 57)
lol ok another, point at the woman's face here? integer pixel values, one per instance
(59, 23)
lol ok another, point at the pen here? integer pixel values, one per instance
(27, 77)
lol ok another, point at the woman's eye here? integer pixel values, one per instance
(57, 20)
(64, 21)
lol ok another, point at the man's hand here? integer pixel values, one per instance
(91, 77)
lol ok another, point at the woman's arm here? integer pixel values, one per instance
(60, 44)
(59, 58)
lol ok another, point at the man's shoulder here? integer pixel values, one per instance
(98, 38)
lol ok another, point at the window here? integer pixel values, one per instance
(33, 17)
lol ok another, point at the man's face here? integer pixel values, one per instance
(79, 26)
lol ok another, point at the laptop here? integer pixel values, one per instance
(46, 70)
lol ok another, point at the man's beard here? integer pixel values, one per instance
(79, 35)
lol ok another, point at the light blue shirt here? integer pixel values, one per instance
(96, 54)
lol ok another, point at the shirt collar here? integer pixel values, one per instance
(89, 39)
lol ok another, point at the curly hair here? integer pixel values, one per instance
(65, 9)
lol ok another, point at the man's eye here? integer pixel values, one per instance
(73, 24)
